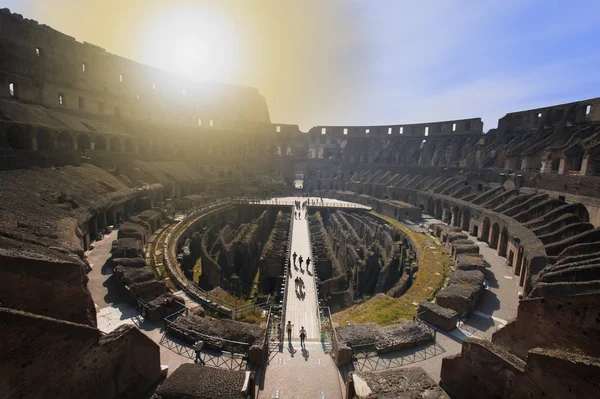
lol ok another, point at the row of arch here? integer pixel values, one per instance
(44, 139)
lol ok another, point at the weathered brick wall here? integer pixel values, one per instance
(484, 370)
(42, 357)
(569, 323)
(48, 286)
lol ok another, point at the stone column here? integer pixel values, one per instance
(524, 163)
(584, 165)
(561, 165)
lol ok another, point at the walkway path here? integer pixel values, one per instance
(301, 305)
(297, 372)
(112, 310)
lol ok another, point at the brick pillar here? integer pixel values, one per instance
(584, 165)
(561, 165)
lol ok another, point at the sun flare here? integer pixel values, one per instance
(195, 42)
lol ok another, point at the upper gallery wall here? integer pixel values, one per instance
(42, 66)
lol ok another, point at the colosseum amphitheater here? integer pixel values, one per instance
(136, 221)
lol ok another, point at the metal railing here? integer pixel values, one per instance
(390, 344)
(327, 330)
(315, 274)
(210, 342)
(287, 274)
(169, 258)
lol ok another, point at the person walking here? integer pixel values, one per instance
(302, 336)
(289, 328)
(294, 256)
(198, 348)
(300, 261)
(307, 264)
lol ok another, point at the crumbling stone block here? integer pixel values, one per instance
(459, 298)
(470, 262)
(437, 315)
(127, 248)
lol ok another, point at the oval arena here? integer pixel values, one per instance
(155, 238)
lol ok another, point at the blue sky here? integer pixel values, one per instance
(464, 59)
(361, 62)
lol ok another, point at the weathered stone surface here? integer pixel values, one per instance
(467, 277)
(129, 262)
(470, 262)
(401, 335)
(166, 304)
(223, 328)
(437, 315)
(126, 248)
(461, 299)
(493, 372)
(408, 383)
(194, 381)
(46, 282)
(67, 360)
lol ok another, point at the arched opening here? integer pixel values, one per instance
(437, 209)
(18, 140)
(495, 235)
(465, 221)
(115, 145)
(455, 217)
(446, 214)
(143, 147)
(485, 230)
(44, 140)
(129, 147)
(503, 245)
(64, 141)
(83, 142)
(100, 143)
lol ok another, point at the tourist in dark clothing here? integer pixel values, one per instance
(289, 328)
(307, 264)
(294, 256)
(300, 261)
(302, 336)
(198, 349)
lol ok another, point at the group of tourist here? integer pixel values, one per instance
(300, 260)
(290, 328)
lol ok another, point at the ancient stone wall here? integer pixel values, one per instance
(41, 62)
(43, 357)
(45, 282)
(484, 370)
(569, 323)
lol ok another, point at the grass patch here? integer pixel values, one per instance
(197, 270)
(434, 268)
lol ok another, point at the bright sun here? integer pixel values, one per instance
(194, 41)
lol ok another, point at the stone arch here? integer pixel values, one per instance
(83, 142)
(455, 216)
(503, 244)
(437, 209)
(485, 230)
(45, 140)
(64, 141)
(18, 139)
(465, 220)
(494, 236)
(129, 145)
(115, 144)
(144, 146)
(99, 143)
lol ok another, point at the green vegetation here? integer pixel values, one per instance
(434, 267)
(197, 270)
